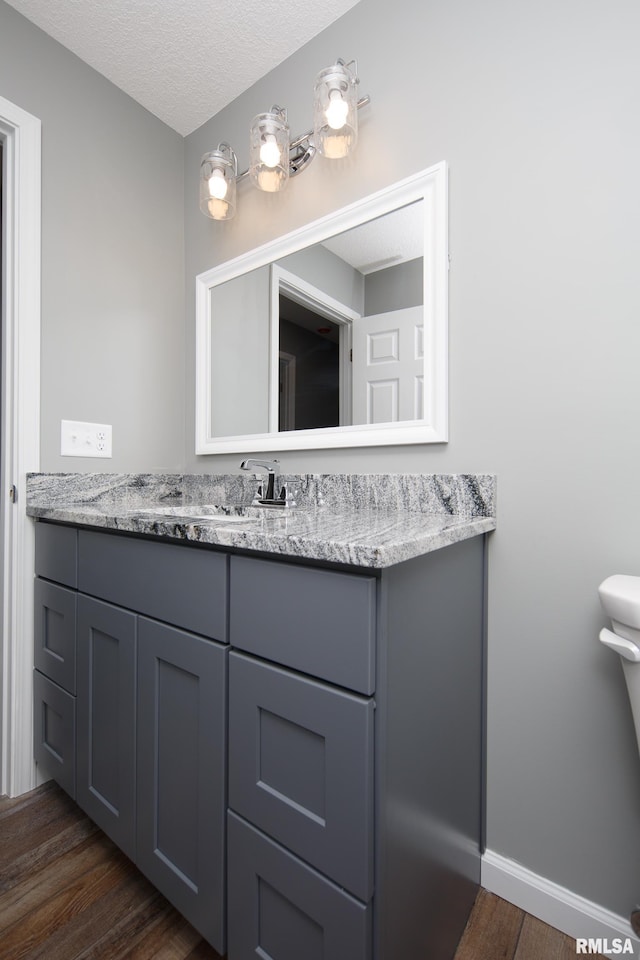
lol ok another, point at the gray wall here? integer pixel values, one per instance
(394, 288)
(240, 327)
(112, 256)
(534, 107)
(330, 273)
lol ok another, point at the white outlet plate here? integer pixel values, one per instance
(78, 439)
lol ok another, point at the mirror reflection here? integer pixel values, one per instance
(334, 335)
(329, 336)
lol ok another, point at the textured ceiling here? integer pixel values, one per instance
(183, 60)
(390, 239)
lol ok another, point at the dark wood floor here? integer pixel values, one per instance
(496, 929)
(67, 893)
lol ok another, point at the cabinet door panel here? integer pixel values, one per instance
(282, 909)
(54, 644)
(181, 772)
(106, 718)
(301, 767)
(54, 732)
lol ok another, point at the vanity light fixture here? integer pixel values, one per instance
(335, 110)
(218, 175)
(269, 150)
(273, 156)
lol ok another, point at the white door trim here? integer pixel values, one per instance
(319, 302)
(20, 454)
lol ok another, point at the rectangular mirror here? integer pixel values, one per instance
(332, 336)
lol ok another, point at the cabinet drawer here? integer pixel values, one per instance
(54, 650)
(280, 908)
(317, 621)
(54, 732)
(301, 767)
(180, 585)
(57, 553)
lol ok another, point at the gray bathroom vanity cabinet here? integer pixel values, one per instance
(292, 752)
(130, 702)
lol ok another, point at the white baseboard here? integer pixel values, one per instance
(560, 908)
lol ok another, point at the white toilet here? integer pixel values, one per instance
(620, 598)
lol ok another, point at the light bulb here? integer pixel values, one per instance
(337, 110)
(269, 151)
(218, 172)
(218, 185)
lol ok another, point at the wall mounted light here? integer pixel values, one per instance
(218, 175)
(335, 110)
(269, 150)
(273, 157)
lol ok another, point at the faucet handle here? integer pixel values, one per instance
(282, 499)
(288, 493)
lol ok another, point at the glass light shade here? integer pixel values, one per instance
(269, 150)
(218, 171)
(335, 111)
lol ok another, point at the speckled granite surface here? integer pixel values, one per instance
(365, 520)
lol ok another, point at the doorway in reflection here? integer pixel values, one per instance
(309, 368)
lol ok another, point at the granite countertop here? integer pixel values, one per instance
(362, 520)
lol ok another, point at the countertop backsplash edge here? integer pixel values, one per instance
(461, 495)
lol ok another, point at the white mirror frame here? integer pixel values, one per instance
(430, 186)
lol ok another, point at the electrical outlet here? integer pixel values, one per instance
(79, 439)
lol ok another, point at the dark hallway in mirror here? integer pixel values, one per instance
(309, 369)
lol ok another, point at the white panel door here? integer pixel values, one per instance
(388, 367)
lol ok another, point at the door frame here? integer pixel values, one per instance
(287, 373)
(303, 292)
(20, 437)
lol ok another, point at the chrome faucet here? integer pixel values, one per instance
(273, 469)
